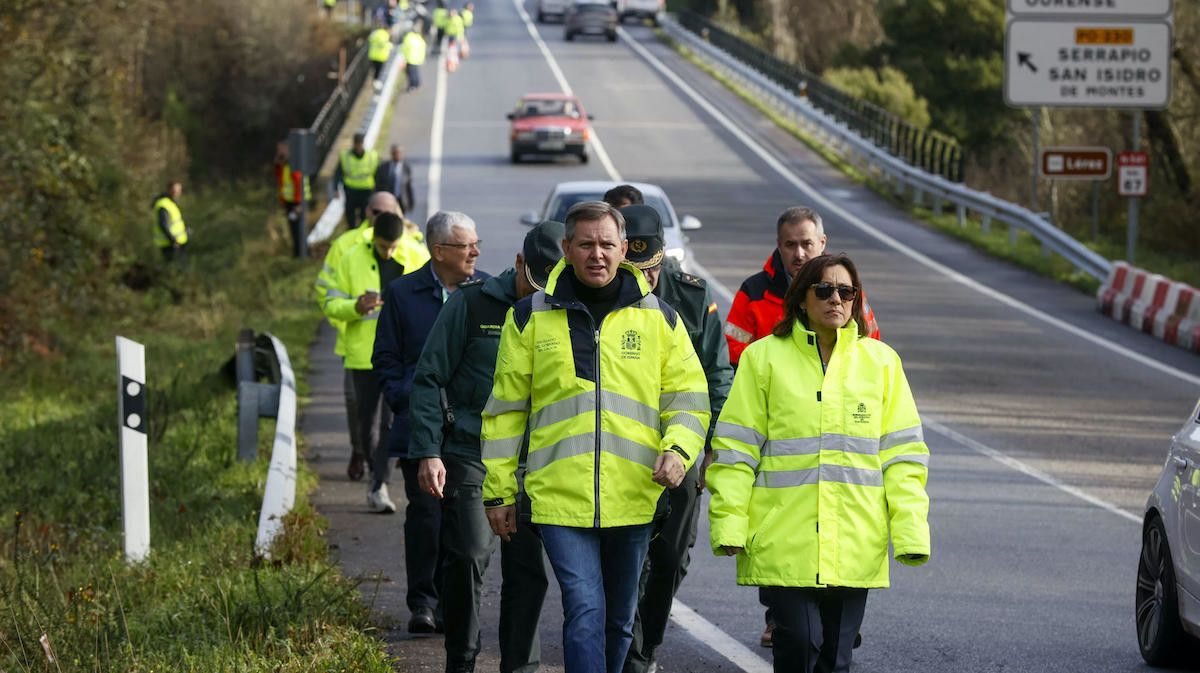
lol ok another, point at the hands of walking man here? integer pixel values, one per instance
(431, 476)
(668, 469)
(503, 521)
(709, 457)
(367, 302)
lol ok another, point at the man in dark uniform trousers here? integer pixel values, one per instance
(669, 555)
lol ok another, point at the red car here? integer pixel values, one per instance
(549, 123)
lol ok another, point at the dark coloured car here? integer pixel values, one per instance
(590, 18)
(549, 123)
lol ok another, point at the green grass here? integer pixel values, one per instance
(1026, 253)
(202, 601)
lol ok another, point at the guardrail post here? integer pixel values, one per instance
(962, 215)
(937, 204)
(918, 196)
(255, 400)
(1012, 236)
(986, 223)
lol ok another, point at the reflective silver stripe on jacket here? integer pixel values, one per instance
(905, 436)
(740, 433)
(734, 457)
(810, 446)
(812, 475)
(539, 302)
(683, 402)
(586, 443)
(336, 294)
(585, 403)
(688, 421)
(501, 448)
(495, 407)
(918, 458)
(738, 334)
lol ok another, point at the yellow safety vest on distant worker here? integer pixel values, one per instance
(330, 3)
(177, 226)
(359, 172)
(440, 15)
(455, 26)
(379, 45)
(413, 49)
(287, 190)
(468, 17)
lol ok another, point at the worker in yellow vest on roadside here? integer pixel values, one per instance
(412, 48)
(329, 5)
(455, 29)
(468, 17)
(379, 49)
(171, 234)
(356, 173)
(441, 17)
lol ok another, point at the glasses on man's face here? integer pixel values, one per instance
(824, 291)
(461, 246)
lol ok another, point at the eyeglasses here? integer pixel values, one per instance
(825, 291)
(461, 246)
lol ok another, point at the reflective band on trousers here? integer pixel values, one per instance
(586, 443)
(827, 473)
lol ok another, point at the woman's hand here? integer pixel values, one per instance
(731, 551)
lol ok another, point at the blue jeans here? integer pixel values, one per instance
(598, 571)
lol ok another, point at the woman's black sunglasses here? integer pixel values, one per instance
(825, 291)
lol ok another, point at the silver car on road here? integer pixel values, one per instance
(1168, 579)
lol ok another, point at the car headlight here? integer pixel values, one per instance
(677, 254)
(567, 130)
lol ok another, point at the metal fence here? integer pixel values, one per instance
(931, 151)
(333, 114)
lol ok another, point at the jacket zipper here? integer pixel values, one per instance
(596, 471)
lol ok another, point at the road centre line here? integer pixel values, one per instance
(920, 258)
(697, 627)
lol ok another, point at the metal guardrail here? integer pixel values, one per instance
(932, 151)
(333, 114)
(872, 158)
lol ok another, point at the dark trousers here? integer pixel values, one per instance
(422, 541)
(666, 566)
(414, 76)
(815, 628)
(439, 35)
(523, 585)
(373, 420)
(377, 68)
(352, 413)
(297, 227)
(176, 256)
(356, 206)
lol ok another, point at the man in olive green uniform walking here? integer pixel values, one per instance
(669, 556)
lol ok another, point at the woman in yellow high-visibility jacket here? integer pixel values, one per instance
(819, 456)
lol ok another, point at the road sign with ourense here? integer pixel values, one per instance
(1090, 9)
(1133, 174)
(1076, 163)
(1081, 63)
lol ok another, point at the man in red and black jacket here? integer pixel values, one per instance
(293, 189)
(758, 304)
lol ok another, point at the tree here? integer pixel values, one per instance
(887, 87)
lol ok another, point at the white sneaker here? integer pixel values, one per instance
(378, 501)
(378, 85)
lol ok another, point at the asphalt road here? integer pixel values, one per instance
(1025, 575)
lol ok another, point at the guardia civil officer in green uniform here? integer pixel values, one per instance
(449, 391)
(669, 554)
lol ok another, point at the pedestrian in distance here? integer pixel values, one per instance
(454, 374)
(410, 306)
(293, 190)
(819, 447)
(171, 233)
(395, 177)
(356, 174)
(468, 17)
(670, 550)
(623, 195)
(379, 50)
(454, 33)
(412, 48)
(603, 377)
(441, 17)
(329, 5)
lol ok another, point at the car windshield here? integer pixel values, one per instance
(538, 107)
(558, 208)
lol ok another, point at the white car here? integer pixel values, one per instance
(1168, 580)
(547, 8)
(566, 194)
(639, 9)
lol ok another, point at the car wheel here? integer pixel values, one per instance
(541, 17)
(583, 157)
(515, 157)
(1160, 636)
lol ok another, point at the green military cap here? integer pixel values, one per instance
(643, 228)
(542, 250)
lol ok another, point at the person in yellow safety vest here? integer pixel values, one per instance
(379, 49)
(171, 232)
(353, 297)
(412, 254)
(455, 29)
(468, 17)
(441, 16)
(293, 191)
(329, 5)
(412, 48)
(605, 379)
(356, 173)
(819, 456)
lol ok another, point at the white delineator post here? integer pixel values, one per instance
(131, 418)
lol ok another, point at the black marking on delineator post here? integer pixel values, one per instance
(132, 424)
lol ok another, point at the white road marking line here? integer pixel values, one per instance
(830, 206)
(700, 628)
(979, 447)
(565, 87)
(437, 133)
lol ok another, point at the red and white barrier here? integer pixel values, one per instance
(1153, 304)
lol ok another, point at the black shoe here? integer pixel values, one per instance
(857, 641)
(422, 621)
(466, 667)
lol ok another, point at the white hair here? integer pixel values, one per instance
(438, 228)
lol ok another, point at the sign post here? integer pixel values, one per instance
(131, 418)
(1133, 181)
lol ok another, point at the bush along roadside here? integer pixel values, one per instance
(201, 601)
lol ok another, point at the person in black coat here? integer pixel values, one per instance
(395, 176)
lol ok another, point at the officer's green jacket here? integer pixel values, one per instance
(601, 403)
(690, 296)
(814, 470)
(379, 45)
(459, 357)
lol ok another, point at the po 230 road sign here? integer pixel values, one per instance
(1085, 63)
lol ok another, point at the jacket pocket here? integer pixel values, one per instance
(761, 538)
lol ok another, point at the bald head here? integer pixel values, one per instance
(383, 202)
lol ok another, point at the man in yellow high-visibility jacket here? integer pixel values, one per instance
(379, 50)
(356, 173)
(605, 379)
(412, 48)
(171, 232)
(441, 16)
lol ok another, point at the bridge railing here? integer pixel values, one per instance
(871, 150)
